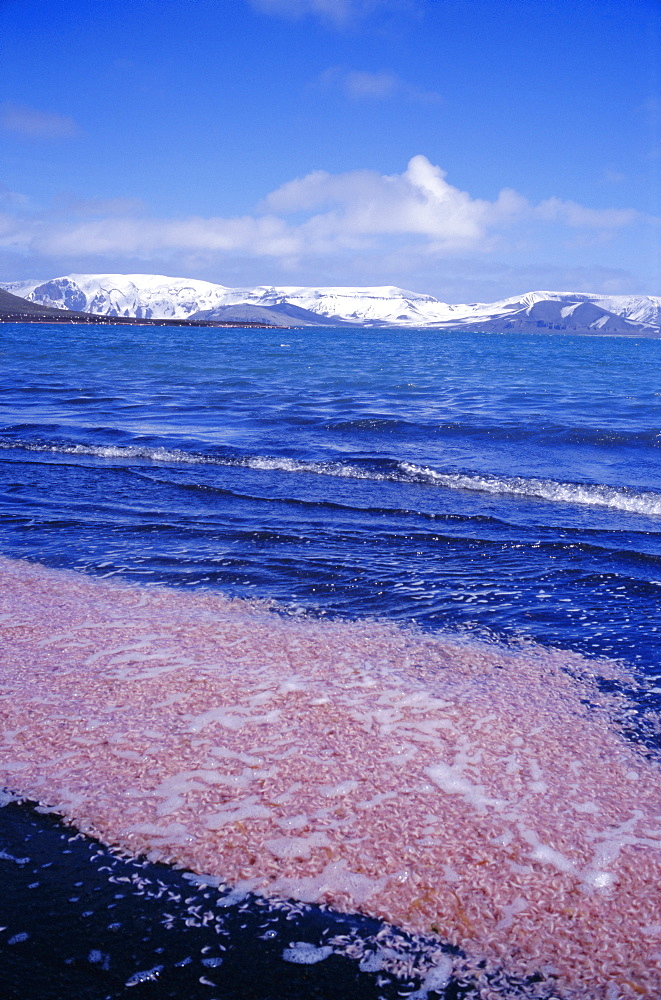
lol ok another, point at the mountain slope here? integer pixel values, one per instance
(15, 309)
(279, 314)
(150, 297)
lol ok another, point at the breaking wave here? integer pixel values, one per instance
(595, 495)
(622, 498)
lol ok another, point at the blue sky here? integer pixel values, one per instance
(468, 148)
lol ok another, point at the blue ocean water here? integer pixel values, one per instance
(506, 486)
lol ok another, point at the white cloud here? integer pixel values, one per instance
(418, 203)
(265, 236)
(9, 197)
(579, 217)
(361, 85)
(34, 124)
(15, 234)
(381, 223)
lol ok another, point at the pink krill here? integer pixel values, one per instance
(451, 788)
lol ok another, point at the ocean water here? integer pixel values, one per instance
(502, 490)
(509, 484)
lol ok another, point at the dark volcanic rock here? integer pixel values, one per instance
(14, 309)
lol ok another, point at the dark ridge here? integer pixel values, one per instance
(282, 314)
(14, 309)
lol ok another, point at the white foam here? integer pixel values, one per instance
(303, 953)
(237, 813)
(335, 791)
(146, 976)
(594, 495)
(435, 980)
(335, 878)
(451, 780)
(202, 880)
(5, 856)
(299, 848)
(627, 499)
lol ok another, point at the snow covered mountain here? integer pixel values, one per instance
(152, 296)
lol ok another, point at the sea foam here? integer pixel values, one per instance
(618, 498)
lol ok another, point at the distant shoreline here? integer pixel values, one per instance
(88, 319)
(14, 309)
